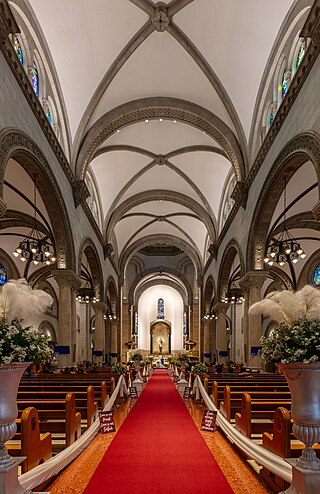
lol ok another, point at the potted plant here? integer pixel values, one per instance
(21, 344)
(295, 348)
(200, 368)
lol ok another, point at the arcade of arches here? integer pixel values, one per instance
(165, 154)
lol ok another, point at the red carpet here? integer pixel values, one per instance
(158, 450)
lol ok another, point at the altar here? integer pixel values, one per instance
(160, 337)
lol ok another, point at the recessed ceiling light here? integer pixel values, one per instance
(118, 130)
(147, 121)
(174, 121)
(160, 119)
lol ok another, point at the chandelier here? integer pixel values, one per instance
(233, 295)
(87, 294)
(34, 247)
(285, 248)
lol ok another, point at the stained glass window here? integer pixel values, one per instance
(316, 276)
(35, 79)
(271, 117)
(284, 84)
(301, 52)
(136, 323)
(160, 308)
(3, 274)
(184, 323)
(18, 48)
(48, 115)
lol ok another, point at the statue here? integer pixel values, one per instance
(160, 341)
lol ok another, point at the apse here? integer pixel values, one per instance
(148, 312)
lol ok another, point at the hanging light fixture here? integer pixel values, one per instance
(87, 294)
(285, 248)
(34, 247)
(234, 294)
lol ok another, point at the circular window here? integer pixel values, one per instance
(3, 274)
(316, 275)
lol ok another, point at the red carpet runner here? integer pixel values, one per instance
(158, 450)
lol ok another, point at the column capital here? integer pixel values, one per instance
(220, 307)
(99, 307)
(67, 278)
(3, 208)
(253, 279)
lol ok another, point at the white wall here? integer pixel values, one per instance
(173, 311)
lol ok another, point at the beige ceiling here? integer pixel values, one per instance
(108, 53)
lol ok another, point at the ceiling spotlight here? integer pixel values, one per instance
(147, 121)
(160, 119)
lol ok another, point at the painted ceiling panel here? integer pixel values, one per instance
(162, 177)
(126, 164)
(160, 137)
(236, 47)
(208, 171)
(84, 38)
(161, 67)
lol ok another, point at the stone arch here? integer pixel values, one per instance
(208, 294)
(166, 239)
(112, 294)
(166, 282)
(169, 282)
(89, 249)
(18, 146)
(11, 268)
(160, 107)
(160, 195)
(47, 328)
(231, 250)
(304, 147)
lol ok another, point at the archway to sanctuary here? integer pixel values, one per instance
(160, 320)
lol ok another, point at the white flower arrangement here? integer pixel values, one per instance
(21, 343)
(298, 336)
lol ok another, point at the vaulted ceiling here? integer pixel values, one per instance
(160, 100)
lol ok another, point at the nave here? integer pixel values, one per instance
(159, 448)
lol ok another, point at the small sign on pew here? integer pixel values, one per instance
(209, 421)
(187, 392)
(133, 392)
(106, 422)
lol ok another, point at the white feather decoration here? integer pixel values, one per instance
(287, 306)
(19, 301)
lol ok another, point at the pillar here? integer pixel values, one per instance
(126, 329)
(206, 340)
(252, 283)
(100, 309)
(68, 283)
(220, 310)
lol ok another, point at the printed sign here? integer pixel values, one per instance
(133, 392)
(187, 392)
(106, 422)
(208, 421)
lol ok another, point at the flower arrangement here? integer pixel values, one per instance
(298, 337)
(20, 307)
(119, 368)
(200, 368)
(23, 344)
(137, 356)
(183, 357)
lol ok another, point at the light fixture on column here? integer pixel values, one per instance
(285, 248)
(233, 294)
(35, 247)
(87, 294)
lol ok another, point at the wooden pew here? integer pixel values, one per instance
(218, 390)
(57, 416)
(257, 409)
(233, 399)
(36, 447)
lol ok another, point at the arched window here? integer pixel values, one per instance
(301, 52)
(160, 308)
(35, 78)
(18, 48)
(3, 274)
(316, 275)
(48, 115)
(284, 86)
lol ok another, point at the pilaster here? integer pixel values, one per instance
(220, 310)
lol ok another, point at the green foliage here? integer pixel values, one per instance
(137, 356)
(200, 368)
(296, 342)
(119, 368)
(23, 344)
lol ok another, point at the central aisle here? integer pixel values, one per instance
(158, 450)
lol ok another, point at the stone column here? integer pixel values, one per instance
(99, 335)
(114, 339)
(252, 283)
(221, 329)
(206, 340)
(126, 328)
(68, 283)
